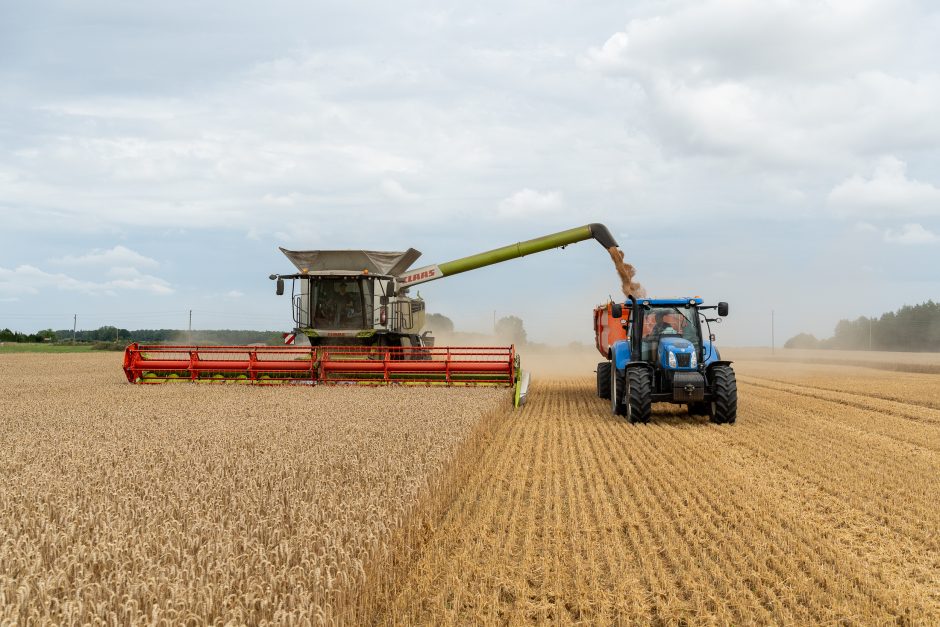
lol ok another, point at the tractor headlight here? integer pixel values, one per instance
(694, 361)
(672, 360)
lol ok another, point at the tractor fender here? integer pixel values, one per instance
(620, 354)
(710, 352)
(643, 364)
(708, 368)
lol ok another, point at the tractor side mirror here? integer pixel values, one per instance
(616, 310)
(722, 310)
(280, 286)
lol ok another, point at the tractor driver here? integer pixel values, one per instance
(661, 324)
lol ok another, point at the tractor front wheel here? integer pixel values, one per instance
(603, 379)
(723, 408)
(639, 390)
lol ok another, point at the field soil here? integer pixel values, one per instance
(215, 503)
(879, 360)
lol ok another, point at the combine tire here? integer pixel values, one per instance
(639, 390)
(723, 408)
(603, 379)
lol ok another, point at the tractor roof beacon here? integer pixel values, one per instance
(657, 352)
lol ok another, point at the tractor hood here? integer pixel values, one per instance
(676, 346)
(376, 262)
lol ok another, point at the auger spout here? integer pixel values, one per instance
(594, 230)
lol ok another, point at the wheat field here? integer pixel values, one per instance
(212, 503)
(201, 504)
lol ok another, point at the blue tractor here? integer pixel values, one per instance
(661, 355)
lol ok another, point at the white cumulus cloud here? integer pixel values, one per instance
(887, 192)
(529, 202)
(30, 280)
(117, 256)
(787, 83)
(397, 192)
(911, 234)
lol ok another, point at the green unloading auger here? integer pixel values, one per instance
(595, 231)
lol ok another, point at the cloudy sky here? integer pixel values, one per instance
(780, 155)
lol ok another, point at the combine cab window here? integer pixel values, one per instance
(342, 303)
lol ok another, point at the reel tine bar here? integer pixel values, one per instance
(364, 365)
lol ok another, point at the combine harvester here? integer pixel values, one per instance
(357, 325)
(657, 352)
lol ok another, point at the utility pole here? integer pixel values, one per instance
(74, 326)
(190, 321)
(869, 333)
(773, 340)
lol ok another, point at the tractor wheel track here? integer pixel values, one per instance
(574, 516)
(911, 410)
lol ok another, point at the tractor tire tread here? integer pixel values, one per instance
(603, 380)
(724, 395)
(640, 390)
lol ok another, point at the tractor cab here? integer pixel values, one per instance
(671, 336)
(662, 355)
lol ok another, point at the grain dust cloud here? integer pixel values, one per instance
(627, 274)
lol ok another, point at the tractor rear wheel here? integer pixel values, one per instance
(639, 390)
(618, 389)
(603, 379)
(723, 408)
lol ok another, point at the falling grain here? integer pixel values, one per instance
(627, 273)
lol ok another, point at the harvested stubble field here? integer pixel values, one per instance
(818, 506)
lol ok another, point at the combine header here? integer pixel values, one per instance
(356, 324)
(267, 365)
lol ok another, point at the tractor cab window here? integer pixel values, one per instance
(660, 322)
(342, 303)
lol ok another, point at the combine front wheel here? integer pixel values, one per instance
(723, 408)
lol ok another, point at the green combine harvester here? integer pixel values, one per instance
(355, 323)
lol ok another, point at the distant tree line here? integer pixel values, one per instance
(509, 329)
(150, 336)
(912, 328)
(6, 335)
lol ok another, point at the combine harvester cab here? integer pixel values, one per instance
(358, 325)
(657, 352)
